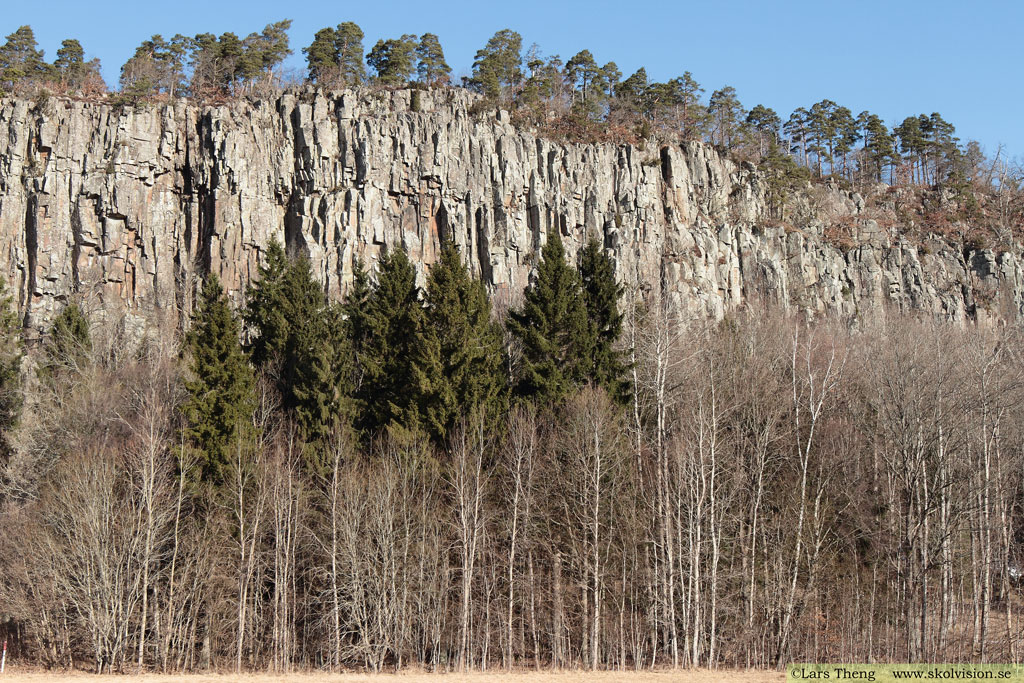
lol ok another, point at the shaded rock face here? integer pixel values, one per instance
(126, 209)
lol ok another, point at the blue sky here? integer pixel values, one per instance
(894, 58)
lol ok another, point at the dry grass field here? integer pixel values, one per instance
(695, 676)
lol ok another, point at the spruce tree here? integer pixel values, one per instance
(460, 357)
(601, 295)
(282, 305)
(303, 302)
(394, 319)
(323, 365)
(553, 329)
(355, 313)
(11, 353)
(220, 389)
(68, 345)
(265, 315)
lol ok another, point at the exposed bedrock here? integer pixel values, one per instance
(126, 208)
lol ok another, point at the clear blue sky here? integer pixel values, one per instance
(894, 58)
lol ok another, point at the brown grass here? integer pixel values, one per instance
(682, 676)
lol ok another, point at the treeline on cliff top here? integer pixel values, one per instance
(408, 478)
(577, 99)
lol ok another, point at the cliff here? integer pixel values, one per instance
(126, 208)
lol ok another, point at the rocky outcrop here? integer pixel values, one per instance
(126, 208)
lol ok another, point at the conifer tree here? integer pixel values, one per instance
(765, 123)
(552, 327)
(11, 353)
(321, 387)
(355, 313)
(282, 306)
(70, 65)
(394, 322)
(725, 112)
(321, 58)
(265, 314)
(498, 65)
(431, 66)
(394, 60)
(220, 389)
(21, 59)
(460, 359)
(336, 53)
(303, 302)
(879, 144)
(348, 43)
(633, 90)
(69, 344)
(601, 295)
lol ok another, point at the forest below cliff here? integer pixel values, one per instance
(549, 368)
(410, 479)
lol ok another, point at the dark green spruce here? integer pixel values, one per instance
(11, 353)
(553, 329)
(601, 294)
(394, 318)
(68, 345)
(460, 357)
(221, 387)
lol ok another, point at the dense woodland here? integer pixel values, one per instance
(410, 478)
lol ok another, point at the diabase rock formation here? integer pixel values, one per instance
(126, 209)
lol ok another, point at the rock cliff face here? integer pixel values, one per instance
(127, 208)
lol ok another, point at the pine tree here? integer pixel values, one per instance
(765, 123)
(321, 58)
(601, 295)
(393, 320)
(336, 53)
(879, 144)
(264, 51)
(782, 176)
(553, 329)
(159, 65)
(220, 389)
(692, 112)
(394, 59)
(21, 59)
(498, 65)
(348, 42)
(582, 71)
(70, 62)
(460, 359)
(796, 128)
(546, 80)
(431, 66)
(913, 143)
(68, 345)
(726, 112)
(632, 90)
